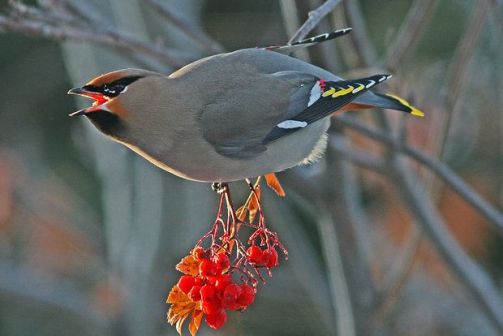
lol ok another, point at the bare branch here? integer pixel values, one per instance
(50, 27)
(449, 177)
(315, 17)
(397, 277)
(410, 32)
(474, 279)
(291, 21)
(360, 158)
(460, 69)
(361, 42)
(207, 43)
(338, 282)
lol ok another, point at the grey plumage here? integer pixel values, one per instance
(220, 118)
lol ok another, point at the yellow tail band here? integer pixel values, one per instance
(414, 111)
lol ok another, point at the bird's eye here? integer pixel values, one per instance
(113, 91)
(119, 88)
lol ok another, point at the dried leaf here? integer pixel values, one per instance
(241, 213)
(189, 266)
(195, 322)
(176, 295)
(179, 324)
(254, 204)
(273, 183)
(181, 307)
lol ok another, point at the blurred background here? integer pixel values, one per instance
(90, 234)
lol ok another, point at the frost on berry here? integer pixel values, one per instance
(223, 270)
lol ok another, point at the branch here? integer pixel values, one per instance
(360, 158)
(397, 277)
(460, 69)
(337, 280)
(315, 17)
(449, 177)
(291, 21)
(474, 279)
(410, 32)
(203, 40)
(358, 36)
(50, 26)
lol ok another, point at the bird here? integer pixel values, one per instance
(230, 116)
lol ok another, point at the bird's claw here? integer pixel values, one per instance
(218, 187)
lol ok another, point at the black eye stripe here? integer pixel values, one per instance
(125, 81)
(112, 89)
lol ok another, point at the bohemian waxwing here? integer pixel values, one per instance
(230, 116)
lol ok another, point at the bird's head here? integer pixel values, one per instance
(119, 98)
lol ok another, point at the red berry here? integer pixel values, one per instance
(211, 307)
(247, 296)
(222, 282)
(230, 296)
(207, 268)
(255, 255)
(271, 257)
(198, 281)
(223, 262)
(195, 293)
(217, 319)
(198, 253)
(186, 283)
(208, 293)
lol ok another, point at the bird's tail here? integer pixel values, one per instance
(308, 42)
(386, 101)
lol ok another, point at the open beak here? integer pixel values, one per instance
(99, 100)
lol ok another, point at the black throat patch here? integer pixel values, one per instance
(107, 122)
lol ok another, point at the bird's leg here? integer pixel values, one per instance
(219, 187)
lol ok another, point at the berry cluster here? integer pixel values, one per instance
(212, 284)
(215, 288)
(267, 257)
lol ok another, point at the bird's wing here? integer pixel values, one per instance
(325, 98)
(270, 106)
(255, 103)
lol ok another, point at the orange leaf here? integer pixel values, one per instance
(273, 183)
(181, 307)
(179, 324)
(176, 296)
(189, 266)
(254, 204)
(195, 322)
(241, 213)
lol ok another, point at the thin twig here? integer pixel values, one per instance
(315, 17)
(203, 40)
(361, 42)
(460, 69)
(291, 21)
(410, 32)
(338, 282)
(342, 198)
(397, 277)
(360, 158)
(99, 35)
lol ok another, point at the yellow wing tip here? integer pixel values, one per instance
(414, 111)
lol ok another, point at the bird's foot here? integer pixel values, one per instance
(219, 187)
